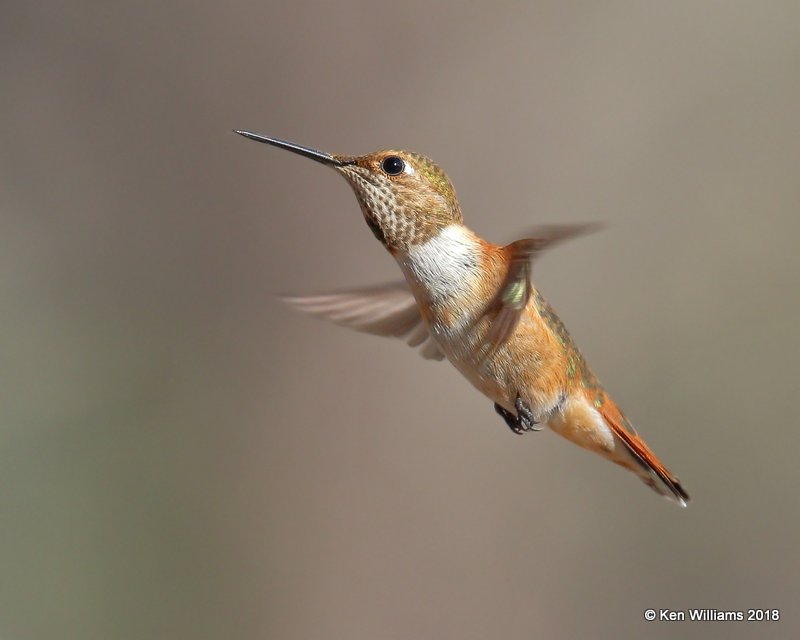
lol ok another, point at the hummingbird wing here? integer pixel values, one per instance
(385, 310)
(512, 297)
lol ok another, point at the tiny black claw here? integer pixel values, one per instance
(520, 423)
(510, 418)
(525, 416)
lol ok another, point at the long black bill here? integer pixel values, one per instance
(319, 156)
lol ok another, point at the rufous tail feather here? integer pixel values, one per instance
(652, 471)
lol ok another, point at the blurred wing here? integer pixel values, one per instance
(386, 310)
(512, 297)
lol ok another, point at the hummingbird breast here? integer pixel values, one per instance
(454, 276)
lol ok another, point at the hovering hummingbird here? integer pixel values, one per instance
(473, 302)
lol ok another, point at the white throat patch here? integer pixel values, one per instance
(446, 265)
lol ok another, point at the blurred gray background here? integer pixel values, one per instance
(183, 456)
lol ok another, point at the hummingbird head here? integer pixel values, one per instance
(406, 198)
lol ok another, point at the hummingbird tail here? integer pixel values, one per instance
(653, 473)
(643, 462)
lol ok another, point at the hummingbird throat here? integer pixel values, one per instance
(400, 214)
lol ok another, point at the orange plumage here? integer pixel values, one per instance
(473, 302)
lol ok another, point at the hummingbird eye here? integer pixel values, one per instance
(392, 165)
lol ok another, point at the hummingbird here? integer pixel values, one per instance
(473, 302)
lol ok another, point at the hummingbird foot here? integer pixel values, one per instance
(510, 418)
(523, 421)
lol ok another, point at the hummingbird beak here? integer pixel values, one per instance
(319, 156)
